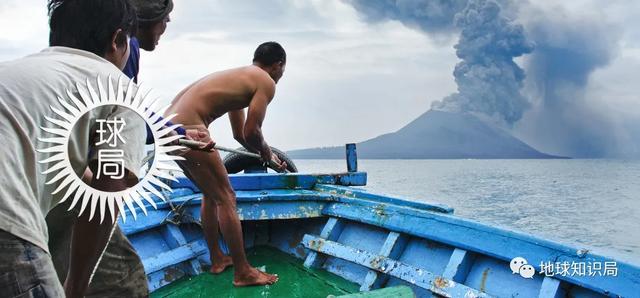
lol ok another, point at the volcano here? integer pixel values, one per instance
(436, 135)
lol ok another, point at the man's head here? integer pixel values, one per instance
(153, 16)
(102, 27)
(271, 57)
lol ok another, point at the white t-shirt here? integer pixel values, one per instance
(29, 87)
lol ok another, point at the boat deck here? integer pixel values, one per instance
(295, 280)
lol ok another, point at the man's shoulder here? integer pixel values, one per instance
(259, 77)
(73, 60)
(57, 68)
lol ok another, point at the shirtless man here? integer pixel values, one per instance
(196, 107)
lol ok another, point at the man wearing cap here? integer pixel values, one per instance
(153, 16)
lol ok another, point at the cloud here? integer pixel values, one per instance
(567, 116)
(25, 28)
(346, 80)
(433, 16)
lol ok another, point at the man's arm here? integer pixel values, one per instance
(252, 131)
(255, 116)
(237, 119)
(89, 238)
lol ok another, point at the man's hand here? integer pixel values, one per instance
(273, 160)
(197, 135)
(201, 136)
(281, 166)
(266, 154)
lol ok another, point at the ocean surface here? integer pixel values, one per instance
(593, 204)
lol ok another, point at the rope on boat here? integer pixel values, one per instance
(177, 214)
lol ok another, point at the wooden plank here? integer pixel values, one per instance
(392, 248)
(331, 231)
(173, 236)
(254, 210)
(550, 288)
(348, 194)
(153, 219)
(396, 292)
(177, 198)
(267, 181)
(414, 275)
(174, 256)
(280, 210)
(495, 242)
(459, 265)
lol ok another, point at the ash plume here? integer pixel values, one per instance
(488, 79)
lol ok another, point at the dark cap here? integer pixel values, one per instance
(151, 11)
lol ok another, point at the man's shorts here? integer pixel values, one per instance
(26, 270)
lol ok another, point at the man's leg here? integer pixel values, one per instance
(210, 228)
(208, 173)
(209, 216)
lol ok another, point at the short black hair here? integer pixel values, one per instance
(89, 24)
(269, 53)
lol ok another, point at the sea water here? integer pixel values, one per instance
(593, 204)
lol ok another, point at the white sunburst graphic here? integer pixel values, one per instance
(60, 164)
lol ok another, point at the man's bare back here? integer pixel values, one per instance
(218, 93)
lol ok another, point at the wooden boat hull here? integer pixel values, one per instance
(372, 240)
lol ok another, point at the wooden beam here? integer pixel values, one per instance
(459, 265)
(550, 288)
(331, 231)
(393, 247)
(352, 158)
(414, 275)
(174, 238)
(174, 256)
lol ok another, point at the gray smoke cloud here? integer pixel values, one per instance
(488, 79)
(563, 119)
(433, 16)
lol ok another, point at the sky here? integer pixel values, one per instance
(351, 77)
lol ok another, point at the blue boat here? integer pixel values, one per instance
(379, 244)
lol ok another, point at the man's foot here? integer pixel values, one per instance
(220, 265)
(255, 277)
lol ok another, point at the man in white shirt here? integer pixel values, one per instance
(89, 39)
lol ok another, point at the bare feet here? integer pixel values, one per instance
(255, 277)
(220, 265)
